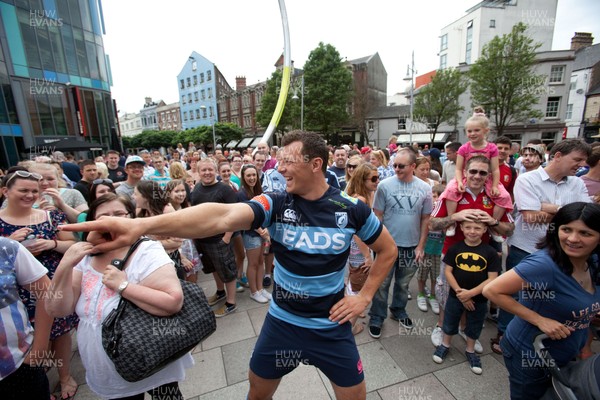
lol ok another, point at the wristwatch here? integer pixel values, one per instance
(122, 287)
(495, 223)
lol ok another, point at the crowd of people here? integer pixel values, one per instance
(310, 230)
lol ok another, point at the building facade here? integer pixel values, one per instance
(130, 124)
(55, 79)
(240, 106)
(169, 117)
(461, 41)
(148, 114)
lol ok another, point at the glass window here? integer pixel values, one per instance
(194, 66)
(44, 113)
(58, 114)
(202, 77)
(573, 85)
(189, 97)
(45, 49)
(195, 80)
(444, 42)
(202, 94)
(469, 45)
(191, 115)
(208, 75)
(569, 114)
(29, 39)
(91, 56)
(188, 81)
(70, 53)
(204, 113)
(85, 15)
(402, 123)
(184, 99)
(181, 84)
(75, 13)
(552, 107)
(492, 23)
(81, 53)
(197, 113)
(57, 49)
(195, 96)
(210, 93)
(443, 61)
(185, 117)
(556, 73)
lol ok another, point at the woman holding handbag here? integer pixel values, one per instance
(93, 287)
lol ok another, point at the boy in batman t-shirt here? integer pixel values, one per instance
(470, 265)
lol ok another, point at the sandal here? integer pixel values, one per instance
(495, 344)
(68, 390)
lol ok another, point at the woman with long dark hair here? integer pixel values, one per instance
(559, 295)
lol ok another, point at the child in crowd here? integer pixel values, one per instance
(470, 265)
(430, 267)
(477, 129)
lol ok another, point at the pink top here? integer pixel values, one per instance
(467, 151)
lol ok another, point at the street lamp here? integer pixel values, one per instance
(203, 107)
(295, 97)
(410, 75)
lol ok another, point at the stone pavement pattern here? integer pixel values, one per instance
(398, 366)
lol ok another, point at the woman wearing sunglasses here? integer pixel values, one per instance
(362, 186)
(351, 165)
(37, 230)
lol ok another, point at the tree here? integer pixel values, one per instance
(503, 81)
(327, 90)
(437, 102)
(269, 102)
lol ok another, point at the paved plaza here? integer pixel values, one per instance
(398, 366)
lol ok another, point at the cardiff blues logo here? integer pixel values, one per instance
(341, 219)
(289, 215)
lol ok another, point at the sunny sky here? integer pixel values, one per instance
(149, 41)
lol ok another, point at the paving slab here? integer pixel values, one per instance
(423, 387)
(236, 357)
(230, 329)
(207, 375)
(380, 368)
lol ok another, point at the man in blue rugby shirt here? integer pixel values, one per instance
(311, 227)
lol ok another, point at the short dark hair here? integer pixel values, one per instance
(453, 146)
(480, 158)
(593, 159)
(105, 182)
(588, 213)
(313, 145)
(260, 153)
(503, 140)
(113, 152)
(570, 145)
(534, 141)
(85, 163)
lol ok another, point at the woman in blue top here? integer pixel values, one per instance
(557, 295)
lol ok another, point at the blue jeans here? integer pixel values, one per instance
(515, 255)
(404, 269)
(454, 311)
(527, 381)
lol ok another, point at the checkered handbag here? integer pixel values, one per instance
(141, 344)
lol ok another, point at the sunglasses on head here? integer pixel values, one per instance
(101, 181)
(24, 175)
(351, 166)
(477, 171)
(373, 179)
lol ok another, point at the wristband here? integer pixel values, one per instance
(55, 244)
(496, 223)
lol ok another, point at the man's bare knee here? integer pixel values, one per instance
(260, 388)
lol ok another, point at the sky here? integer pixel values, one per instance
(149, 41)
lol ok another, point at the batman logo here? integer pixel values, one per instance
(470, 262)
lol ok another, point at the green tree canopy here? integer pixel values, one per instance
(503, 81)
(437, 102)
(327, 90)
(269, 102)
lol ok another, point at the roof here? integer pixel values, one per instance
(593, 91)
(361, 60)
(384, 112)
(586, 57)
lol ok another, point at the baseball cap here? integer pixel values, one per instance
(365, 150)
(436, 153)
(132, 159)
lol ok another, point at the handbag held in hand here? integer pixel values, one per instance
(141, 344)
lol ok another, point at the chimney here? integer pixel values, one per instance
(581, 40)
(240, 83)
(148, 101)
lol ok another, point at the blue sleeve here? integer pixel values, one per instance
(535, 269)
(262, 206)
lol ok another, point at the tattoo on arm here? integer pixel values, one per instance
(438, 224)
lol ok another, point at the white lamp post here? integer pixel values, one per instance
(295, 97)
(410, 75)
(203, 107)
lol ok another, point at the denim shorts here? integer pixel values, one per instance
(252, 242)
(475, 319)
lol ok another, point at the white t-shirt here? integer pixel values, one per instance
(95, 302)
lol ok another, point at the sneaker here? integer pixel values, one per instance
(266, 294)
(375, 331)
(422, 302)
(478, 347)
(436, 336)
(440, 353)
(474, 362)
(225, 310)
(258, 297)
(433, 303)
(244, 281)
(215, 298)
(406, 322)
(239, 287)
(267, 281)
(451, 231)
(409, 295)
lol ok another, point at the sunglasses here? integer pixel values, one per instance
(25, 175)
(400, 166)
(476, 171)
(373, 179)
(101, 181)
(351, 166)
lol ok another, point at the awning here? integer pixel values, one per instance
(256, 141)
(245, 142)
(232, 144)
(50, 145)
(422, 137)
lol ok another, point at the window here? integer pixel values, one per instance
(185, 115)
(181, 84)
(195, 80)
(569, 114)
(194, 65)
(191, 115)
(183, 99)
(556, 73)
(444, 42)
(195, 96)
(202, 94)
(402, 123)
(492, 23)
(204, 112)
(573, 85)
(189, 81)
(443, 61)
(552, 107)
(211, 112)
(189, 97)
(208, 75)
(210, 93)
(469, 42)
(202, 77)
(197, 113)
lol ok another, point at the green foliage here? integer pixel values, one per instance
(327, 90)
(437, 102)
(503, 80)
(269, 102)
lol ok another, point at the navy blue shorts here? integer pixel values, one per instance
(281, 347)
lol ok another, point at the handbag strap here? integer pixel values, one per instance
(120, 263)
